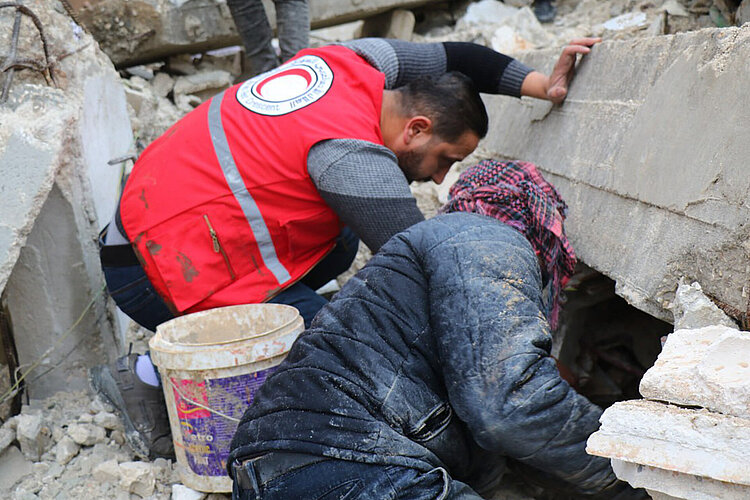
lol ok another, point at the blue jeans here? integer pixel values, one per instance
(135, 295)
(340, 479)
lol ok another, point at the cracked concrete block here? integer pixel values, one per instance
(137, 477)
(645, 153)
(667, 484)
(58, 191)
(136, 31)
(697, 442)
(707, 367)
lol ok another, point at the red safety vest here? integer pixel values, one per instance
(221, 209)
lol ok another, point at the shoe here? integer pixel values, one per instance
(544, 11)
(140, 406)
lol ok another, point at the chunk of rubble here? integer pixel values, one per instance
(137, 477)
(693, 309)
(181, 492)
(707, 367)
(107, 471)
(86, 434)
(685, 441)
(32, 435)
(65, 450)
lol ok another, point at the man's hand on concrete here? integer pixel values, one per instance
(562, 74)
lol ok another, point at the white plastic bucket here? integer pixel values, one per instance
(211, 363)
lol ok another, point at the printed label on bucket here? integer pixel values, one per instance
(206, 433)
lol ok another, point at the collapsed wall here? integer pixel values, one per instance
(59, 128)
(649, 153)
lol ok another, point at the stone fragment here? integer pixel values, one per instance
(107, 472)
(31, 436)
(54, 471)
(107, 420)
(137, 477)
(668, 437)
(118, 437)
(204, 85)
(141, 71)
(674, 8)
(86, 434)
(692, 309)
(13, 467)
(65, 450)
(97, 405)
(86, 418)
(7, 436)
(677, 485)
(162, 84)
(707, 367)
(181, 492)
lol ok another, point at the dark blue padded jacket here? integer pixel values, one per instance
(436, 354)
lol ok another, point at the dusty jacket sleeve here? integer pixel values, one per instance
(402, 62)
(364, 185)
(494, 346)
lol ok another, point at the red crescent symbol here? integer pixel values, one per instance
(289, 72)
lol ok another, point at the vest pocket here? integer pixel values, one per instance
(191, 260)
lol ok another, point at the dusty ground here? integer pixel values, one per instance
(71, 445)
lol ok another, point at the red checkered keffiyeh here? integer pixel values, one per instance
(517, 194)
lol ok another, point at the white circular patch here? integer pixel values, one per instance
(289, 87)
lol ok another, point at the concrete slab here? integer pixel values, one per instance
(58, 191)
(647, 151)
(664, 484)
(677, 439)
(707, 367)
(136, 31)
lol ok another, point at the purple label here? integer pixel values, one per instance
(205, 434)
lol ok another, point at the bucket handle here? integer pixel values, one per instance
(217, 412)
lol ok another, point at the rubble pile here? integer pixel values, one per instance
(690, 436)
(72, 446)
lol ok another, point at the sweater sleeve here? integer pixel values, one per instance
(363, 184)
(494, 347)
(403, 62)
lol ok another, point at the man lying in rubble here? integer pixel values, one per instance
(431, 368)
(244, 200)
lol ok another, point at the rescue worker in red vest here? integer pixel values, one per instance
(257, 194)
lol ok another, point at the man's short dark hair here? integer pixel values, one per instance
(451, 101)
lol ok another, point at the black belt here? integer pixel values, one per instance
(251, 473)
(116, 255)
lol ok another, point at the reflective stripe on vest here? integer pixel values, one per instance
(242, 195)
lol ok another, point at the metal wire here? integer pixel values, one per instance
(12, 63)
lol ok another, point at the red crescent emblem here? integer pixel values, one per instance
(289, 72)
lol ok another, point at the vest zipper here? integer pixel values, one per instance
(217, 246)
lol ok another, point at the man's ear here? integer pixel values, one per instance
(417, 131)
